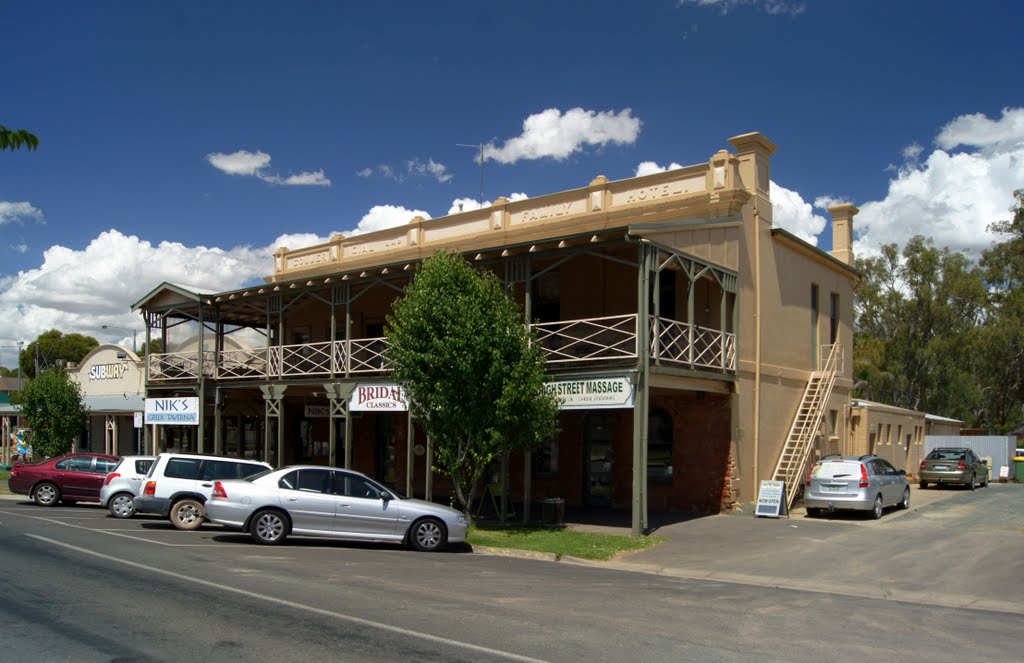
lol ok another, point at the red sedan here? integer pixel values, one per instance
(68, 479)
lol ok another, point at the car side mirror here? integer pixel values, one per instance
(902, 473)
(984, 462)
(386, 496)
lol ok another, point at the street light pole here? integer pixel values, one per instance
(134, 333)
(20, 343)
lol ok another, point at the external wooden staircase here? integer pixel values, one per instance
(795, 452)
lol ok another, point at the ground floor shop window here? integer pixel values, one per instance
(659, 447)
(252, 438)
(545, 459)
(232, 437)
(599, 458)
(386, 450)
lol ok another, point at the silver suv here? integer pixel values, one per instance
(123, 484)
(178, 485)
(859, 483)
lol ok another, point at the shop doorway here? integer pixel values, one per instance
(386, 450)
(598, 459)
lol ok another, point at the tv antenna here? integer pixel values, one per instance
(480, 157)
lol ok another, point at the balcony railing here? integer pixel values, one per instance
(587, 342)
(590, 339)
(674, 342)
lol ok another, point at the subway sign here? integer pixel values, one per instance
(172, 411)
(593, 393)
(108, 371)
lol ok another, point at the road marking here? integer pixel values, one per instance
(297, 606)
(114, 533)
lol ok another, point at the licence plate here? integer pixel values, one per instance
(835, 487)
(942, 467)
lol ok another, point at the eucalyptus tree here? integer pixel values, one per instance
(916, 312)
(15, 139)
(1001, 340)
(54, 348)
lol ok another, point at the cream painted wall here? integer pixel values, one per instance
(787, 357)
(884, 431)
(111, 374)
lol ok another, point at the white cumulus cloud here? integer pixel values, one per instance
(78, 290)
(413, 168)
(791, 212)
(429, 168)
(255, 164)
(316, 178)
(951, 196)
(241, 162)
(471, 204)
(19, 213)
(1005, 134)
(553, 134)
(650, 168)
(386, 216)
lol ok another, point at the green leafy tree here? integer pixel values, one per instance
(54, 349)
(52, 406)
(1001, 341)
(916, 311)
(155, 346)
(473, 372)
(15, 139)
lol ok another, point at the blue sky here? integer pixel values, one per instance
(185, 140)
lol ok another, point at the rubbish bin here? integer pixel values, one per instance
(553, 512)
(1018, 469)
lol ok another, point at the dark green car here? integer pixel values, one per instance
(953, 465)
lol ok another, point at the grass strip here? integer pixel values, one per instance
(561, 542)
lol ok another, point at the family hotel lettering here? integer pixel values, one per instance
(593, 393)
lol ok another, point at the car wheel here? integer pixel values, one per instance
(876, 511)
(187, 514)
(122, 505)
(46, 494)
(905, 504)
(428, 535)
(813, 511)
(923, 485)
(972, 485)
(269, 528)
(984, 482)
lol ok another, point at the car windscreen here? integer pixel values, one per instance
(836, 469)
(946, 454)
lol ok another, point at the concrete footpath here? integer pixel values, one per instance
(906, 555)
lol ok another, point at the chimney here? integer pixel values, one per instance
(842, 231)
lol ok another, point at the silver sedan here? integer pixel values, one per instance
(312, 500)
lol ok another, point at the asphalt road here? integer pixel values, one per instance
(79, 586)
